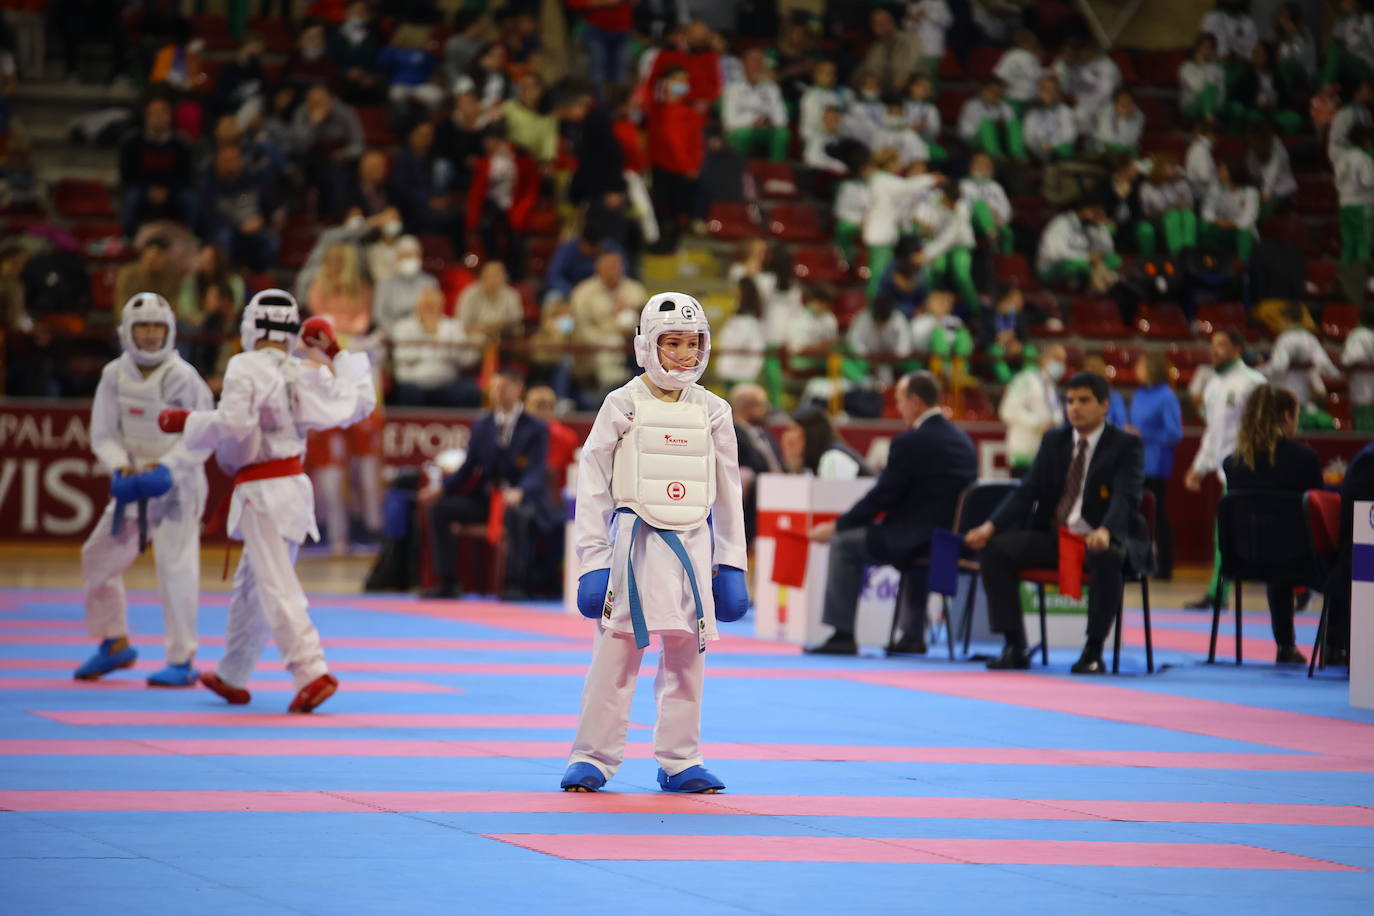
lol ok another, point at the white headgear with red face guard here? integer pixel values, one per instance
(671, 313)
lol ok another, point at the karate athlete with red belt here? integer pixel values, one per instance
(659, 533)
(271, 399)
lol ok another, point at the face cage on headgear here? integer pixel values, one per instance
(270, 315)
(147, 308)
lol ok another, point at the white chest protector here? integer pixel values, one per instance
(140, 401)
(664, 468)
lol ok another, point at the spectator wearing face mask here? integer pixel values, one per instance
(677, 149)
(353, 48)
(1031, 407)
(396, 295)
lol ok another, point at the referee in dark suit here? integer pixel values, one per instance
(1087, 477)
(928, 466)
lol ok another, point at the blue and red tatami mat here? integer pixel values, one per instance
(428, 784)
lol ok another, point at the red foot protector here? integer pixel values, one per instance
(314, 693)
(236, 696)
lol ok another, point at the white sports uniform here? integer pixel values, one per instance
(1223, 402)
(270, 401)
(124, 433)
(671, 464)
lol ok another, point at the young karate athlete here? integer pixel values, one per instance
(271, 399)
(158, 487)
(659, 533)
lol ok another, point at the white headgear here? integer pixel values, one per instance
(671, 313)
(270, 315)
(147, 308)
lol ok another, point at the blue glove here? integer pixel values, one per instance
(591, 592)
(124, 487)
(731, 594)
(153, 483)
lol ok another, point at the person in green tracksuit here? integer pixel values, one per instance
(1223, 402)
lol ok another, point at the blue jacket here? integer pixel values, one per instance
(1116, 410)
(523, 464)
(1156, 413)
(569, 266)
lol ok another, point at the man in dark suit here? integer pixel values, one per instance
(507, 454)
(1087, 477)
(928, 466)
(759, 451)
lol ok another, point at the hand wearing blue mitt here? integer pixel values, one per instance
(591, 592)
(731, 594)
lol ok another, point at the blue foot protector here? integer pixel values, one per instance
(582, 776)
(104, 661)
(174, 676)
(693, 779)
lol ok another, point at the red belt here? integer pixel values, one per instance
(263, 470)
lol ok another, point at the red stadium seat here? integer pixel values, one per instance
(1339, 319)
(214, 31)
(796, 223)
(951, 102)
(848, 304)
(1163, 321)
(1321, 277)
(1122, 59)
(732, 221)
(543, 220)
(982, 60)
(95, 230)
(103, 288)
(775, 180)
(820, 264)
(1098, 319)
(83, 198)
(1159, 68)
(949, 67)
(437, 248)
(276, 34)
(1185, 360)
(1317, 196)
(1166, 141)
(1015, 270)
(1159, 114)
(1218, 316)
(376, 126)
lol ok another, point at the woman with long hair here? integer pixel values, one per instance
(740, 345)
(1156, 417)
(824, 452)
(1267, 458)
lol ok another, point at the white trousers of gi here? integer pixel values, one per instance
(176, 551)
(268, 599)
(610, 690)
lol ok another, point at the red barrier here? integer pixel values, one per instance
(51, 487)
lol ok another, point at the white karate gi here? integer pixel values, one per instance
(124, 433)
(602, 539)
(269, 402)
(1223, 402)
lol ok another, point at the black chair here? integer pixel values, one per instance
(1043, 577)
(1264, 536)
(1323, 511)
(976, 505)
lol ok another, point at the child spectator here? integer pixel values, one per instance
(989, 206)
(989, 124)
(889, 199)
(883, 334)
(937, 334)
(866, 112)
(1020, 69)
(739, 347)
(1351, 55)
(818, 151)
(1166, 203)
(1201, 81)
(677, 150)
(753, 112)
(812, 330)
(923, 116)
(692, 48)
(1355, 113)
(1299, 363)
(783, 302)
(1119, 126)
(822, 95)
(1267, 160)
(1358, 360)
(753, 263)
(1236, 35)
(903, 283)
(1089, 77)
(896, 134)
(1049, 129)
(1075, 242)
(930, 20)
(1257, 98)
(1199, 165)
(1355, 184)
(946, 224)
(1003, 335)
(851, 208)
(1296, 53)
(1230, 210)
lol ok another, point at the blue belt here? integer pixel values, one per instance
(674, 542)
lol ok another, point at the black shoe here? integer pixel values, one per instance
(1202, 604)
(913, 644)
(442, 593)
(1290, 655)
(837, 644)
(1089, 663)
(1013, 658)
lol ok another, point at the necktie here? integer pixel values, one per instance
(1073, 485)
